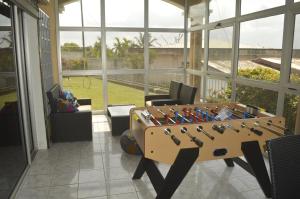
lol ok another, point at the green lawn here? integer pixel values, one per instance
(10, 97)
(91, 87)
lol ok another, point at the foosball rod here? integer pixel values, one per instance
(200, 129)
(154, 120)
(198, 142)
(270, 123)
(176, 112)
(167, 131)
(198, 110)
(255, 131)
(192, 114)
(257, 123)
(165, 115)
(231, 127)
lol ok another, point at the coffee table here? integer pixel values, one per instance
(119, 118)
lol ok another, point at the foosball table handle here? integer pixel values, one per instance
(175, 139)
(256, 131)
(198, 142)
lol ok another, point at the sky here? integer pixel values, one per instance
(261, 33)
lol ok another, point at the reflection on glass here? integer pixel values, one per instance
(220, 9)
(249, 6)
(91, 13)
(166, 50)
(195, 50)
(218, 90)
(125, 50)
(124, 13)
(126, 89)
(260, 48)
(69, 13)
(295, 65)
(164, 14)
(195, 81)
(12, 151)
(86, 87)
(92, 51)
(290, 110)
(220, 50)
(72, 51)
(159, 83)
(265, 99)
(196, 14)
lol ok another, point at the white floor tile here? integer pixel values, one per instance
(94, 189)
(65, 192)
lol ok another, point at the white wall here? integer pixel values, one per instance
(34, 81)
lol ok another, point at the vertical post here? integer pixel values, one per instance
(185, 39)
(146, 47)
(235, 51)
(103, 53)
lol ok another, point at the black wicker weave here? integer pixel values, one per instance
(284, 157)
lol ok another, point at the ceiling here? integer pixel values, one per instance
(178, 3)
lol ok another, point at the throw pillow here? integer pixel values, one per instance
(64, 106)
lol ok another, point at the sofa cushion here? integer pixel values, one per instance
(65, 106)
(85, 108)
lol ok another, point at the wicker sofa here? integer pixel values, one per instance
(70, 127)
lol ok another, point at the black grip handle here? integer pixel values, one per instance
(198, 142)
(256, 131)
(219, 129)
(175, 140)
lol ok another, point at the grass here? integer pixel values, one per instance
(8, 97)
(91, 87)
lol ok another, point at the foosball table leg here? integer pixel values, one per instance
(253, 155)
(165, 187)
(229, 162)
(140, 170)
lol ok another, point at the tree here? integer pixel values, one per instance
(95, 50)
(140, 40)
(70, 46)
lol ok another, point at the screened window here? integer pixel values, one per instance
(260, 48)
(220, 9)
(196, 13)
(125, 50)
(126, 89)
(159, 83)
(249, 6)
(166, 50)
(124, 13)
(218, 90)
(295, 65)
(262, 98)
(220, 50)
(92, 50)
(290, 110)
(91, 13)
(195, 50)
(166, 15)
(72, 51)
(86, 87)
(69, 13)
(195, 81)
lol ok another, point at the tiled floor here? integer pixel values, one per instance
(100, 170)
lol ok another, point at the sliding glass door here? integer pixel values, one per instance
(13, 158)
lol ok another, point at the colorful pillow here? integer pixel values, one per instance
(64, 106)
(67, 95)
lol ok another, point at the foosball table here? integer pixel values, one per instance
(181, 135)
